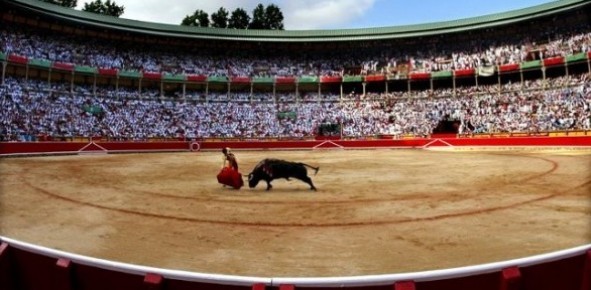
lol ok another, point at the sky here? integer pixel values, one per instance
(327, 14)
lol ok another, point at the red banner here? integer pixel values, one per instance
(509, 67)
(63, 66)
(285, 80)
(469, 72)
(375, 78)
(107, 71)
(330, 79)
(240, 80)
(420, 76)
(197, 78)
(589, 55)
(152, 75)
(553, 61)
(14, 58)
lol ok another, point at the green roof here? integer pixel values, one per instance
(169, 30)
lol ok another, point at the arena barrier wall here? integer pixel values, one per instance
(32, 148)
(25, 266)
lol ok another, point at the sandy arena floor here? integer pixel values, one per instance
(375, 211)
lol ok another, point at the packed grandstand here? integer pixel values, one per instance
(64, 78)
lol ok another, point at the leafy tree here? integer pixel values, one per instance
(258, 18)
(104, 8)
(239, 19)
(199, 18)
(189, 20)
(219, 19)
(64, 3)
(273, 18)
(203, 19)
(269, 17)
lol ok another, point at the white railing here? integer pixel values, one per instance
(353, 281)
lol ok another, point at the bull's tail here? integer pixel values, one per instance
(315, 168)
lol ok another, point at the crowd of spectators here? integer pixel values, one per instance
(428, 56)
(34, 108)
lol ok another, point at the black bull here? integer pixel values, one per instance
(270, 169)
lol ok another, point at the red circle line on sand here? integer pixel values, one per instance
(344, 224)
(342, 201)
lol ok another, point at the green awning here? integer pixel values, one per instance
(287, 114)
(531, 64)
(174, 78)
(308, 79)
(40, 63)
(92, 109)
(352, 79)
(84, 69)
(442, 74)
(263, 80)
(129, 74)
(216, 79)
(576, 57)
(2, 56)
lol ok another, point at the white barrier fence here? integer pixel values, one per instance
(353, 281)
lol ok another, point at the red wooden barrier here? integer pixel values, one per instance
(62, 277)
(375, 78)
(153, 281)
(404, 285)
(285, 80)
(108, 71)
(152, 76)
(6, 271)
(552, 61)
(509, 67)
(420, 76)
(586, 281)
(197, 78)
(469, 72)
(63, 66)
(286, 287)
(510, 279)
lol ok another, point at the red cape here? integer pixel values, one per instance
(230, 177)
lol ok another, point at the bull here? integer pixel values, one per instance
(270, 169)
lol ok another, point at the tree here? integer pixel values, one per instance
(258, 18)
(239, 19)
(219, 19)
(269, 17)
(106, 8)
(64, 3)
(273, 18)
(199, 18)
